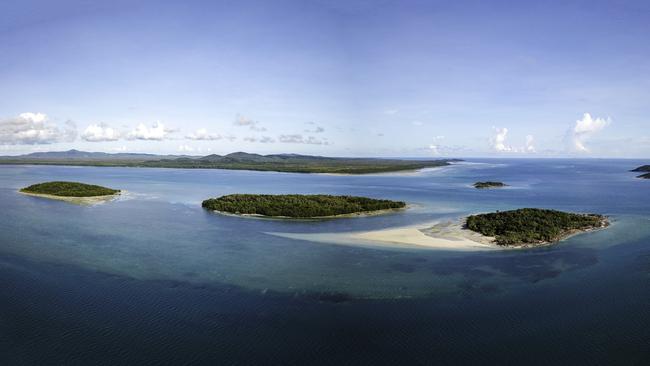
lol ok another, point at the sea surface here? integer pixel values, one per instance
(153, 279)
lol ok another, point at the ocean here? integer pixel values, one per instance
(152, 278)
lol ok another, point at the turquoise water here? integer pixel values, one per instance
(153, 278)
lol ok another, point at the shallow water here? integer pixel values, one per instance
(153, 278)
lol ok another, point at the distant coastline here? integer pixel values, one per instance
(289, 163)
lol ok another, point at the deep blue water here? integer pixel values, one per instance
(154, 279)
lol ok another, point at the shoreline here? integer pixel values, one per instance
(340, 216)
(93, 200)
(439, 235)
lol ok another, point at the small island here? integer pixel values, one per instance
(644, 169)
(533, 226)
(488, 184)
(300, 206)
(74, 192)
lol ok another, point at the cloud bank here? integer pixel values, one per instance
(157, 132)
(242, 121)
(34, 128)
(203, 135)
(300, 139)
(100, 132)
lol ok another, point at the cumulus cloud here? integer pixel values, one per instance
(242, 121)
(100, 132)
(203, 135)
(582, 130)
(300, 139)
(34, 128)
(530, 144)
(498, 140)
(157, 132)
(499, 144)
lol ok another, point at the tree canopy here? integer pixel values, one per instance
(531, 225)
(69, 189)
(298, 206)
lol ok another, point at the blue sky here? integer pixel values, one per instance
(340, 78)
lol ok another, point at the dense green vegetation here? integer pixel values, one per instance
(482, 185)
(644, 168)
(644, 176)
(290, 163)
(532, 225)
(297, 205)
(69, 189)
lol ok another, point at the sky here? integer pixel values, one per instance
(337, 78)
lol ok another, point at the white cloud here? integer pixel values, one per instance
(498, 141)
(391, 111)
(582, 130)
(436, 147)
(100, 132)
(203, 135)
(300, 139)
(242, 121)
(417, 123)
(530, 144)
(267, 140)
(34, 128)
(317, 129)
(185, 148)
(156, 132)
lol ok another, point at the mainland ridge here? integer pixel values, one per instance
(290, 163)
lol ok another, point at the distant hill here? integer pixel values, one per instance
(85, 155)
(294, 163)
(644, 168)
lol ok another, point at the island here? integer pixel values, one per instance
(488, 184)
(74, 192)
(289, 163)
(532, 226)
(299, 205)
(645, 169)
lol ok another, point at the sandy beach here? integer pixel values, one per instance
(441, 235)
(447, 235)
(76, 200)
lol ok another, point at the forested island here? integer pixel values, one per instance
(71, 191)
(645, 169)
(290, 163)
(488, 184)
(532, 226)
(299, 206)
